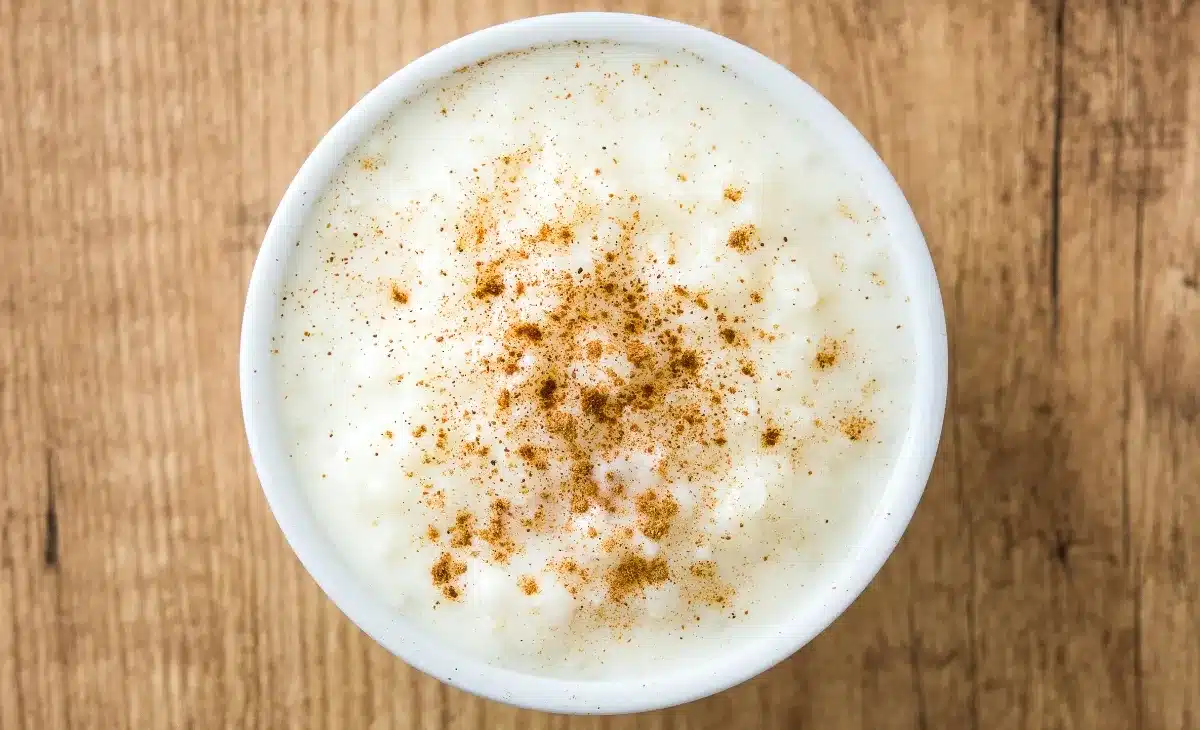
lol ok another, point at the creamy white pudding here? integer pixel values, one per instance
(591, 357)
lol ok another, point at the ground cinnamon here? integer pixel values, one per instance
(463, 530)
(496, 533)
(855, 427)
(743, 238)
(828, 351)
(633, 574)
(655, 514)
(665, 400)
(445, 572)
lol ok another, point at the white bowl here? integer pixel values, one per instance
(653, 689)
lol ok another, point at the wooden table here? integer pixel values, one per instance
(1051, 578)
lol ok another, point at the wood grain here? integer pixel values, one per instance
(1051, 578)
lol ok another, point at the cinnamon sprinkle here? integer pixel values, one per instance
(827, 353)
(496, 533)
(855, 427)
(528, 331)
(534, 456)
(463, 530)
(633, 574)
(445, 572)
(655, 514)
(488, 284)
(565, 411)
(743, 238)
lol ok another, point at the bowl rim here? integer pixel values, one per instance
(728, 666)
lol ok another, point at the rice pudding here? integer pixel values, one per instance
(593, 358)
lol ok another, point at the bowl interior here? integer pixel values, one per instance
(736, 663)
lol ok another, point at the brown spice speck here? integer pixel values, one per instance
(855, 427)
(496, 533)
(419, 431)
(638, 354)
(444, 572)
(398, 295)
(594, 350)
(633, 574)
(559, 233)
(771, 436)
(528, 585)
(546, 392)
(528, 331)
(488, 284)
(733, 194)
(463, 530)
(742, 238)
(595, 403)
(534, 456)
(689, 361)
(655, 514)
(827, 353)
